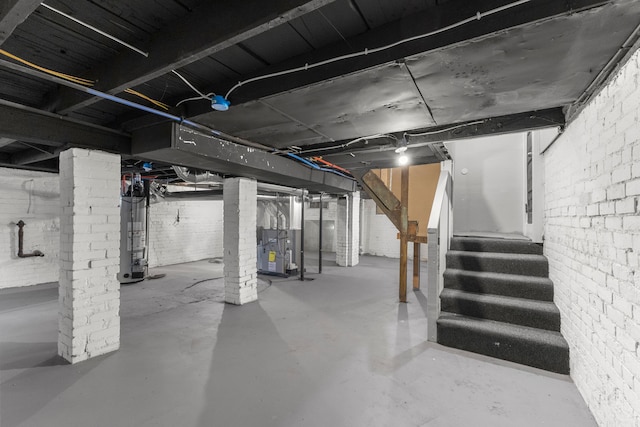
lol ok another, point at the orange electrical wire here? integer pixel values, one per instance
(324, 162)
(151, 100)
(74, 79)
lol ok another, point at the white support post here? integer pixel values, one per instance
(348, 230)
(89, 292)
(439, 233)
(240, 257)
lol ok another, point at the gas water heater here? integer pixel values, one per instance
(133, 230)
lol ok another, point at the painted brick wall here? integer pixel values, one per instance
(379, 235)
(240, 257)
(179, 231)
(185, 230)
(89, 291)
(33, 197)
(592, 232)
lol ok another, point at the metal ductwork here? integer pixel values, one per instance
(175, 144)
(191, 176)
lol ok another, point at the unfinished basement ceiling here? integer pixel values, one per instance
(519, 67)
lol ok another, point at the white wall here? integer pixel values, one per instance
(378, 235)
(490, 195)
(592, 232)
(33, 197)
(185, 230)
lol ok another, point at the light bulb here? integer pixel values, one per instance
(403, 160)
(401, 149)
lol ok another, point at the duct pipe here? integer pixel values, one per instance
(274, 188)
(188, 175)
(206, 177)
(21, 254)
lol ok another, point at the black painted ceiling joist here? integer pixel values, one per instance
(172, 143)
(28, 157)
(432, 19)
(520, 122)
(39, 127)
(13, 13)
(213, 27)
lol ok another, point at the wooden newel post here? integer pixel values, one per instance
(404, 222)
(416, 266)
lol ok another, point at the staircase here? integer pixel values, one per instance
(498, 301)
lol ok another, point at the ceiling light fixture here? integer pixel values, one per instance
(220, 103)
(401, 149)
(403, 160)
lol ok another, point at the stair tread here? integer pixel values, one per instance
(501, 276)
(491, 239)
(535, 335)
(494, 244)
(510, 263)
(498, 255)
(547, 306)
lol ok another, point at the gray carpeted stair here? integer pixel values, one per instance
(481, 244)
(498, 301)
(513, 285)
(529, 346)
(519, 311)
(524, 264)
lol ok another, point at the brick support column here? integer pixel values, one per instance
(240, 270)
(348, 230)
(89, 292)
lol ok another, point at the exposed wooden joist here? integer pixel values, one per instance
(36, 126)
(210, 28)
(6, 163)
(519, 122)
(31, 156)
(431, 19)
(6, 141)
(13, 13)
(382, 195)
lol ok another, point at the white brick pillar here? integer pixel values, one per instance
(348, 230)
(89, 292)
(240, 270)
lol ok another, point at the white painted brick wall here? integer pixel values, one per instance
(348, 230)
(33, 197)
(184, 231)
(89, 292)
(240, 257)
(592, 231)
(379, 236)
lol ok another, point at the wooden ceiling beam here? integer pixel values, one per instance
(210, 28)
(13, 13)
(35, 126)
(413, 26)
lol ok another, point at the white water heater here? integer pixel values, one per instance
(133, 227)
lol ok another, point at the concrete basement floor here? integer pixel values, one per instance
(335, 351)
